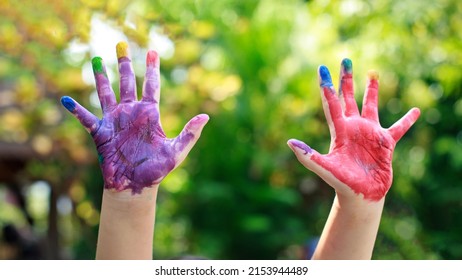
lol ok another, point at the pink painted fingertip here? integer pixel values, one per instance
(415, 113)
(198, 121)
(152, 58)
(294, 143)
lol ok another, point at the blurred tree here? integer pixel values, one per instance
(244, 195)
(37, 141)
(251, 65)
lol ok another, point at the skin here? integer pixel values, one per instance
(133, 151)
(358, 165)
(134, 155)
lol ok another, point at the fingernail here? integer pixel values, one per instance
(198, 121)
(203, 117)
(97, 64)
(299, 144)
(68, 103)
(151, 58)
(372, 75)
(347, 65)
(122, 50)
(326, 80)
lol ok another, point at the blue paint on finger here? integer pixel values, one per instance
(326, 80)
(68, 103)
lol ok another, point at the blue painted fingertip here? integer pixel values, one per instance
(68, 103)
(326, 80)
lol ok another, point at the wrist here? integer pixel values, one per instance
(126, 203)
(356, 201)
(127, 224)
(358, 208)
(351, 228)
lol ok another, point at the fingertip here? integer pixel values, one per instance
(198, 122)
(152, 58)
(373, 75)
(326, 80)
(68, 103)
(122, 49)
(97, 65)
(203, 117)
(289, 142)
(400, 128)
(190, 134)
(347, 65)
(417, 111)
(299, 146)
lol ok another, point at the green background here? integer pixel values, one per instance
(250, 65)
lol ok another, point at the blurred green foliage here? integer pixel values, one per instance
(250, 65)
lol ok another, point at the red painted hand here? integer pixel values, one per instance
(360, 158)
(133, 150)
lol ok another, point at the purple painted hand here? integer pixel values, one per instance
(360, 156)
(133, 151)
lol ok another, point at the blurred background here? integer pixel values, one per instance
(250, 65)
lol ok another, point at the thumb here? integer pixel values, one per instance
(188, 137)
(305, 154)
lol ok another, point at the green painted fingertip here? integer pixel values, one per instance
(347, 65)
(97, 64)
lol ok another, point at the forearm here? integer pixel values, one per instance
(350, 230)
(126, 227)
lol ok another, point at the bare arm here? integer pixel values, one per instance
(134, 155)
(358, 165)
(350, 230)
(126, 227)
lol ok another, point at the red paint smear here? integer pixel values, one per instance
(361, 159)
(347, 83)
(151, 58)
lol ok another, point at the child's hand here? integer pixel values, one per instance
(133, 151)
(360, 156)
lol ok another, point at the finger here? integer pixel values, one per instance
(330, 102)
(370, 102)
(399, 128)
(127, 76)
(308, 157)
(103, 86)
(184, 142)
(346, 89)
(151, 86)
(87, 119)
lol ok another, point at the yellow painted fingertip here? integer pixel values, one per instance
(122, 49)
(373, 75)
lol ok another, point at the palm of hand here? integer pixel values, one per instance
(361, 150)
(133, 151)
(365, 155)
(132, 147)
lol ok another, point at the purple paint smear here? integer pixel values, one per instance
(133, 148)
(127, 80)
(301, 145)
(133, 151)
